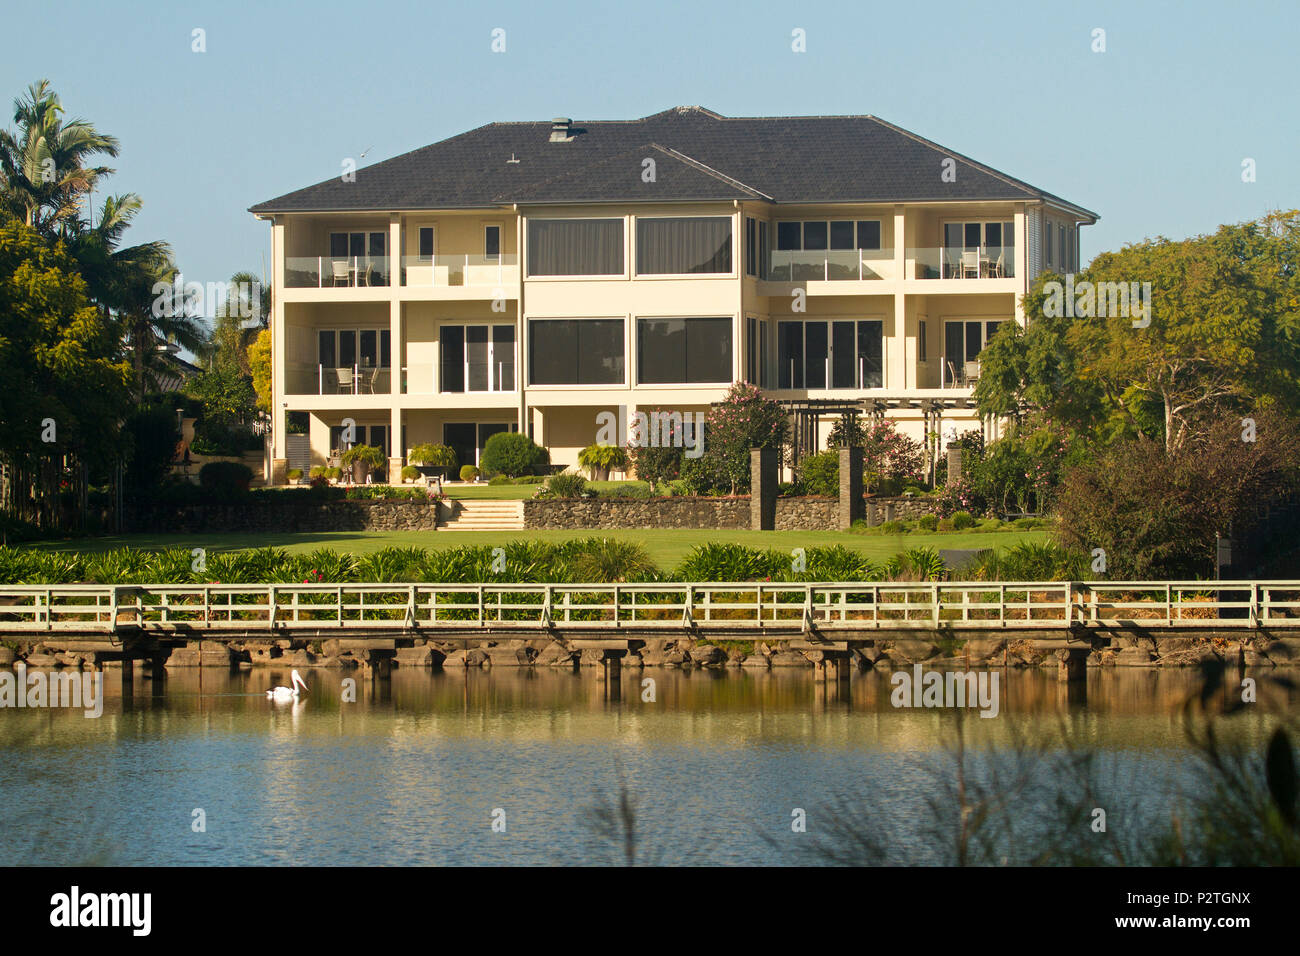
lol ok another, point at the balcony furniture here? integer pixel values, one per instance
(369, 379)
(342, 273)
(970, 264)
(346, 381)
(997, 270)
(970, 373)
(365, 274)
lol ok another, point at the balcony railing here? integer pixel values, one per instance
(304, 379)
(327, 272)
(836, 265)
(450, 271)
(940, 262)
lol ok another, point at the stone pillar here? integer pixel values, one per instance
(1072, 664)
(954, 465)
(762, 489)
(613, 676)
(851, 501)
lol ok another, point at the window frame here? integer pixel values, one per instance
(491, 328)
(720, 383)
(636, 251)
(590, 277)
(527, 324)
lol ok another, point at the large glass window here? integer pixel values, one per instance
(844, 353)
(575, 247)
(963, 340)
(477, 358)
(575, 352)
(991, 244)
(683, 246)
(678, 351)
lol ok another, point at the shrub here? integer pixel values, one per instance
(961, 520)
(634, 490)
(468, 472)
(947, 524)
(500, 480)
(433, 456)
(565, 485)
(928, 522)
(410, 473)
(744, 420)
(334, 473)
(512, 453)
(661, 460)
(318, 471)
(600, 460)
(293, 474)
(225, 479)
(820, 474)
(151, 439)
(893, 527)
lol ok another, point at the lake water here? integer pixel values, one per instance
(419, 767)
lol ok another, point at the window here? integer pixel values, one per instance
(830, 354)
(992, 241)
(869, 234)
(575, 352)
(1048, 253)
(683, 246)
(673, 351)
(345, 348)
(751, 351)
(764, 249)
(964, 339)
(492, 242)
(361, 435)
(426, 242)
(1060, 244)
(835, 234)
(347, 244)
(477, 358)
(575, 247)
(920, 342)
(751, 247)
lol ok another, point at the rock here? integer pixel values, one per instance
(706, 655)
(204, 654)
(266, 653)
(633, 660)
(675, 658)
(455, 659)
(981, 649)
(1254, 658)
(1133, 657)
(860, 660)
(43, 660)
(331, 648)
(1281, 652)
(554, 654)
(756, 661)
(913, 652)
(476, 657)
(6, 656)
(509, 656)
(592, 658)
(789, 659)
(299, 658)
(421, 655)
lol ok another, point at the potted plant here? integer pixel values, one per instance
(363, 459)
(433, 460)
(468, 473)
(410, 473)
(294, 475)
(601, 459)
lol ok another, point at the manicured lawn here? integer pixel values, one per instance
(666, 547)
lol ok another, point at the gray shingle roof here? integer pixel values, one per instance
(698, 155)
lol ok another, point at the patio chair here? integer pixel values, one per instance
(970, 373)
(369, 379)
(998, 267)
(952, 266)
(970, 264)
(344, 376)
(953, 381)
(365, 274)
(342, 275)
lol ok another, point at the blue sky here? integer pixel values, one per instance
(1151, 134)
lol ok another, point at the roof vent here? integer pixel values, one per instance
(561, 130)
(512, 159)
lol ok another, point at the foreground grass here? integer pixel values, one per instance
(666, 547)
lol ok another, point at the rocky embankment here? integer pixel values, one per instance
(1247, 650)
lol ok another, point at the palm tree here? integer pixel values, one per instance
(43, 171)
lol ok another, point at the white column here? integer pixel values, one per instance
(896, 364)
(1022, 262)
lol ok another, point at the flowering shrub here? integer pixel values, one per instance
(743, 420)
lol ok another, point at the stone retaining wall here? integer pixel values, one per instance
(282, 516)
(792, 514)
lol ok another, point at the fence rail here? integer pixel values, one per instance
(824, 606)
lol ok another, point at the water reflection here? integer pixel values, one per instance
(413, 770)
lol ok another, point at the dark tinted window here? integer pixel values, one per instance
(575, 352)
(693, 350)
(453, 358)
(575, 247)
(683, 246)
(869, 234)
(788, 235)
(842, 235)
(814, 235)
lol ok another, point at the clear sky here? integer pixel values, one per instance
(1151, 133)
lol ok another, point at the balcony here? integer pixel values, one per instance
(970, 264)
(328, 272)
(460, 271)
(836, 265)
(357, 380)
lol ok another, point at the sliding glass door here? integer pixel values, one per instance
(838, 353)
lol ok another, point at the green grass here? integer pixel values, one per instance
(666, 547)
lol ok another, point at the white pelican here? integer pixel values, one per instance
(288, 693)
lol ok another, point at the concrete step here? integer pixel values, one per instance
(489, 515)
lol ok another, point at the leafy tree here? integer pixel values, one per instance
(820, 474)
(259, 365)
(744, 420)
(65, 392)
(150, 439)
(886, 452)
